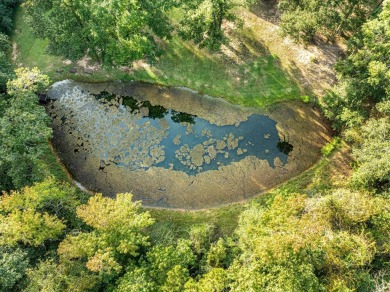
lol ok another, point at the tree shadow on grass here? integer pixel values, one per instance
(244, 71)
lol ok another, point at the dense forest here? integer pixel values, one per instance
(311, 234)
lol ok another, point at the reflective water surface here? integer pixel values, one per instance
(136, 135)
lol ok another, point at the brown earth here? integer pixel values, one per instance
(300, 124)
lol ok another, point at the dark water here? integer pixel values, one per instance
(192, 145)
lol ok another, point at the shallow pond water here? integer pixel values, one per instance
(173, 147)
(137, 135)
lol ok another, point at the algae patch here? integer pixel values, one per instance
(175, 148)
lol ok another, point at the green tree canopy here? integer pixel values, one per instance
(364, 75)
(13, 263)
(7, 10)
(202, 20)
(372, 152)
(301, 244)
(302, 19)
(6, 71)
(114, 32)
(24, 131)
(26, 225)
(117, 235)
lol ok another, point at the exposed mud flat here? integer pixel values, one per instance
(83, 149)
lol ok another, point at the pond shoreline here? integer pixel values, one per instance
(297, 123)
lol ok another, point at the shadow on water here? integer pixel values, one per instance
(154, 111)
(284, 147)
(179, 117)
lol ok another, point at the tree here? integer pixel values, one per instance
(24, 130)
(117, 235)
(215, 280)
(115, 32)
(7, 10)
(203, 19)
(279, 251)
(34, 219)
(163, 268)
(200, 237)
(163, 259)
(367, 64)
(301, 244)
(6, 71)
(13, 263)
(136, 279)
(176, 279)
(302, 19)
(49, 196)
(27, 225)
(364, 75)
(372, 153)
(48, 275)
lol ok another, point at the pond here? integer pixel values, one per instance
(142, 137)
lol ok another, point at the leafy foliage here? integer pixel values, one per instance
(27, 81)
(117, 235)
(163, 267)
(114, 32)
(203, 19)
(51, 196)
(303, 19)
(364, 75)
(7, 10)
(24, 131)
(294, 241)
(327, 149)
(13, 263)
(50, 276)
(23, 219)
(372, 153)
(6, 71)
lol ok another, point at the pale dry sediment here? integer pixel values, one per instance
(298, 123)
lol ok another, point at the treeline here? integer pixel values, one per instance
(359, 105)
(7, 13)
(304, 19)
(53, 240)
(119, 32)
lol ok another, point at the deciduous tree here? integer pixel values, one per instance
(203, 19)
(302, 19)
(114, 32)
(24, 130)
(117, 235)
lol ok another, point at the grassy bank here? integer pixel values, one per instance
(248, 75)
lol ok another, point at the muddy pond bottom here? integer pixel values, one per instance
(164, 145)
